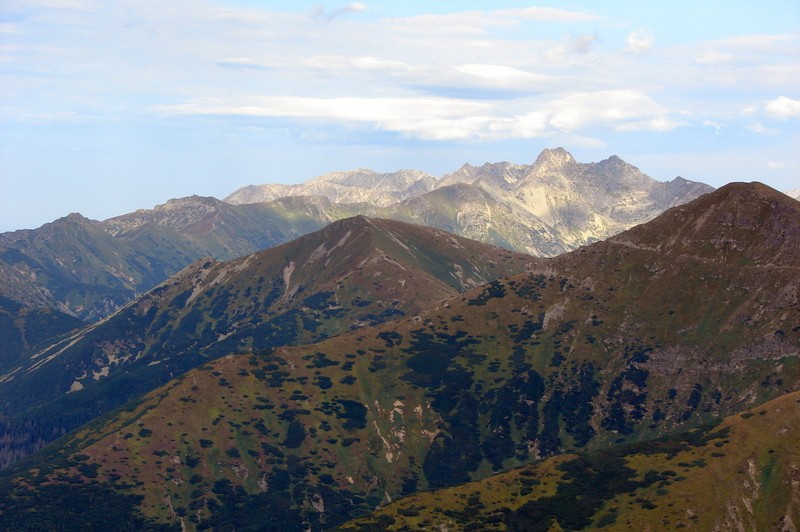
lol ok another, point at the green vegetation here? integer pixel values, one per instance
(500, 379)
(631, 486)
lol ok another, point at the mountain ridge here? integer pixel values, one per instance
(535, 209)
(352, 273)
(618, 342)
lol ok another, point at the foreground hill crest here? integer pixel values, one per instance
(349, 275)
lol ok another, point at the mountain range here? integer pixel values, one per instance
(546, 208)
(605, 368)
(89, 269)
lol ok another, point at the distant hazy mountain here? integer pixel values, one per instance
(794, 193)
(89, 269)
(552, 206)
(353, 273)
(669, 326)
(355, 186)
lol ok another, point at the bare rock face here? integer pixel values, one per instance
(554, 205)
(355, 186)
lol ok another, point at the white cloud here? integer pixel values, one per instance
(478, 22)
(639, 41)
(70, 5)
(500, 76)
(783, 108)
(620, 108)
(347, 63)
(758, 127)
(426, 118)
(661, 125)
(774, 165)
(774, 43)
(548, 14)
(713, 57)
(450, 118)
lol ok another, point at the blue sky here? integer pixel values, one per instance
(107, 107)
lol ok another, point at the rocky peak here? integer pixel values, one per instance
(465, 174)
(74, 218)
(70, 222)
(189, 202)
(614, 170)
(554, 159)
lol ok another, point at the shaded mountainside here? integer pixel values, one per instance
(741, 474)
(618, 342)
(90, 269)
(22, 329)
(351, 274)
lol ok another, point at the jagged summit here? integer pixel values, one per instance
(554, 158)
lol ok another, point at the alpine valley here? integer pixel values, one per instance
(648, 380)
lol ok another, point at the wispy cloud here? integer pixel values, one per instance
(549, 14)
(321, 13)
(759, 128)
(426, 118)
(714, 57)
(774, 165)
(450, 119)
(241, 63)
(480, 22)
(581, 44)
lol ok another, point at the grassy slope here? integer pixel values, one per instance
(620, 341)
(429, 405)
(351, 274)
(739, 474)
